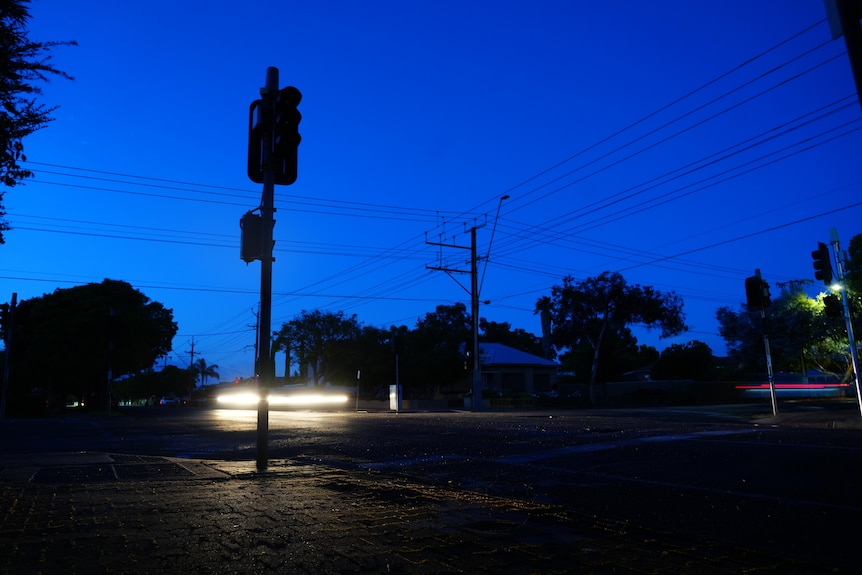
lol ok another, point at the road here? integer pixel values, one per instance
(705, 473)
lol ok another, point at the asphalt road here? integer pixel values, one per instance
(707, 472)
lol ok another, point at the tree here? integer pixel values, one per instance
(521, 339)
(692, 360)
(435, 350)
(620, 354)
(586, 313)
(319, 341)
(801, 335)
(150, 384)
(66, 342)
(203, 370)
(372, 354)
(22, 62)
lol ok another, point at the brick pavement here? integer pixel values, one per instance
(100, 513)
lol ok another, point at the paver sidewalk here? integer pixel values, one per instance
(97, 515)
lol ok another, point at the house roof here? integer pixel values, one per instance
(499, 354)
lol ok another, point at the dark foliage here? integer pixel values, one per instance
(66, 342)
(22, 63)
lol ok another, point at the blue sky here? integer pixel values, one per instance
(683, 144)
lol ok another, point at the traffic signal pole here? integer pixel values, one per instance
(845, 298)
(273, 139)
(757, 297)
(266, 366)
(766, 329)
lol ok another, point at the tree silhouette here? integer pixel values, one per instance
(204, 370)
(319, 340)
(22, 62)
(588, 312)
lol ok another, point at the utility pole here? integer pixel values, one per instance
(112, 324)
(7, 363)
(474, 310)
(192, 353)
(191, 371)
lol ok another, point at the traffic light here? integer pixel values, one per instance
(822, 263)
(251, 244)
(832, 306)
(757, 293)
(286, 137)
(251, 240)
(256, 141)
(273, 132)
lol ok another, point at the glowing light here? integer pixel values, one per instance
(239, 398)
(297, 399)
(793, 385)
(307, 399)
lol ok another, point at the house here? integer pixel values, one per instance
(507, 370)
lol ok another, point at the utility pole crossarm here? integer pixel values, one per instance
(447, 245)
(447, 270)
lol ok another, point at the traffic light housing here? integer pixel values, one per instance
(273, 132)
(757, 294)
(822, 263)
(251, 240)
(286, 137)
(256, 141)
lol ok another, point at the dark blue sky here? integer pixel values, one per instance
(683, 144)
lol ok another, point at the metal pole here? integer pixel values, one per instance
(845, 297)
(474, 289)
(358, 375)
(111, 319)
(8, 359)
(267, 209)
(770, 375)
(769, 369)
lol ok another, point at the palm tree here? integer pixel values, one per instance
(203, 370)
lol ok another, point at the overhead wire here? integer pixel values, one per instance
(409, 248)
(648, 116)
(626, 193)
